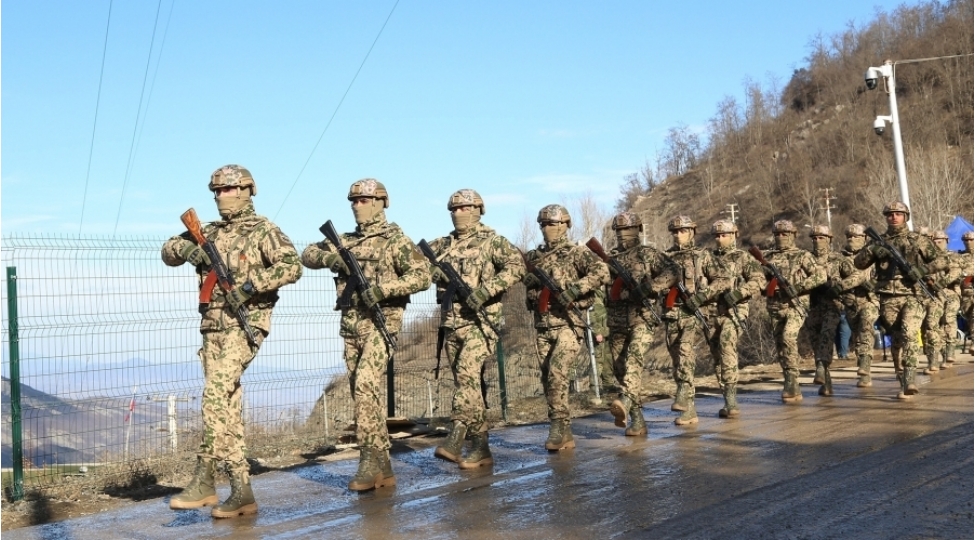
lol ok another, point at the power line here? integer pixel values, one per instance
(320, 137)
(98, 99)
(145, 77)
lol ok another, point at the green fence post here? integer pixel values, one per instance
(16, 435)
(502, 383)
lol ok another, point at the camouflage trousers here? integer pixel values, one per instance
(949, 322)
(558, 348)
(861, 318)
(682, 334)
(821, 326)
(724, 347)
(604, 363)
(629, 347)
(786, 322)
(225, 355)
(902, 316)
(467, 348)
(366, 357)
(931, 330)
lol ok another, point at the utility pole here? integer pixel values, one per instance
(828, 207)
(732, 211)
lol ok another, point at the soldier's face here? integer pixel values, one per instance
(725, 240)
(364, 209)
(941, 243)
(628, 237)
(896, 219)
(553, 230)
(855, 243)
(464, 216)
(820, 242)
(969, 245)
(682, 237)
(784, 240)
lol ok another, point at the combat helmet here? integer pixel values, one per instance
(556, 213)
(232, 176)
(724, 226)
(625, 220)
(855, 230)
(924, 231)
(897, 206)
(466, 197)
(939, 235)
(820, 230)
(681, 222)
(369, 187)
(968, 236)
(784, 225)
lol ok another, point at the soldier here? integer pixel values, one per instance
(600, 339)
(800, 269)
(735, 277)
(966, 286)
(395, 269)
(825, 305)
(489, 264)
(631, 323)
(578, 273)
(860, 304)
(900, 308)
(932, 334)
(261, 260)
(949, 282)
(683, 329)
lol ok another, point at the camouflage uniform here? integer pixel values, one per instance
(630, 322)
(261, 258)
(966, 303)
(488, 262)
(862, 309)
(799, 267)
(604, 359)
(825, 308)
(901, 310)
(683, 328)
(734, 276)
(949, 284)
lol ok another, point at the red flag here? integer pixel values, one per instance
(131, 408)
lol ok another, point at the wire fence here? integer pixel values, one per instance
(108, 338)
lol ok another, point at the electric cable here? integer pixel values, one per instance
(98, 98)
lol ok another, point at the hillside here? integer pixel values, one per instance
(774, 154)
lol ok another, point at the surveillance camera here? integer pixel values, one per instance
(879, 125)
(870, 77)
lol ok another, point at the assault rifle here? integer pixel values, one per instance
(218, 273)
(778, 280)
(899, 260)
(679, 289)
(624, 277)
(549, 286)
(457, 287)
(357, 283)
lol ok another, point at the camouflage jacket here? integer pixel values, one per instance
(645, 264)
(838, 270)
(597, 313)
(858, 286)
(731, 269)
(253, 249)
(916, 250)
(389, 260)
(483, 258)
(567, 264)
(948, 281)
(695, 266)
(800, 268)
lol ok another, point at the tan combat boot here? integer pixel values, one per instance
(454, 445)
(619, 408)
(200, 491)
(688, 416)
(241, 501)
(375, 470)
(863, 372)
(790, 391)
(680, 400)
(638, 426)
(480, 454)
(559, 436)
(730, 409)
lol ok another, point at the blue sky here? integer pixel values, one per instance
(529, 103)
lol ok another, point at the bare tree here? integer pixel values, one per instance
(527, 233)
(588, 218)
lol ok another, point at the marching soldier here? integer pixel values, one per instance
(578, 274)
(261, 260)
(949, 282)
(966, 285)
(395, 269)
(489, 264)
(825, 305)
(683, 329)
(630, 320)
(861, 305)
(900, 308)
(932, 334)
(788, 308)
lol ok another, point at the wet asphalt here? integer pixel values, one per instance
(860, 464)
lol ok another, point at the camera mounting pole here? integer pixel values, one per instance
(886, 72)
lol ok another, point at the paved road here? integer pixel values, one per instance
(858, 465)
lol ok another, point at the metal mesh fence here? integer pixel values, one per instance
(109, 374)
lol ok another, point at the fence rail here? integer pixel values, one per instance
(108, 369)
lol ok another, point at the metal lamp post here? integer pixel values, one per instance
(886, 72)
